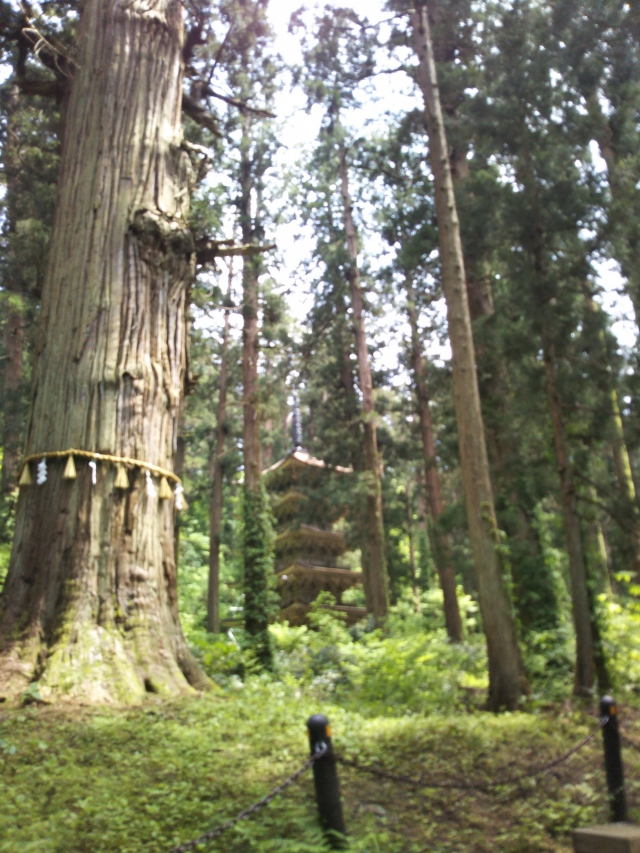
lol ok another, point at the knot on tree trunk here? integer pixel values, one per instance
(163, 238)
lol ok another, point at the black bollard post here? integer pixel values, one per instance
(325, 777)
(613, 759)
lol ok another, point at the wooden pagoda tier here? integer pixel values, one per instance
(307, 551)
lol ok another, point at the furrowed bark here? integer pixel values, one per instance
(89, 607)
(250, 339)
(585, 667)
(215, 510)
(442, 542)
(376, 586)
(506, 674)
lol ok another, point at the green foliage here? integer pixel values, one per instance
(410, 668)
(258, 576)
(143, 780)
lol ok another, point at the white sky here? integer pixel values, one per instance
(395, 92)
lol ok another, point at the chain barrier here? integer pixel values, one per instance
(250, 810)
(474, 786)
(383, 773)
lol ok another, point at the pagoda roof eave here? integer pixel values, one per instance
(344, 577)
(303, 459)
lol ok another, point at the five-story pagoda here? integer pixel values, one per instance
(305, 496)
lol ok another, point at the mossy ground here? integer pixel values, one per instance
(141, 780)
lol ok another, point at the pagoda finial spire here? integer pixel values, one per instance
(296, 425)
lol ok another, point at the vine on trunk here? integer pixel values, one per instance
(259, 578)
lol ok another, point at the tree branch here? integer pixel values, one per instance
(243, 106)
(201, 116)
(208, 250)
(45, 88)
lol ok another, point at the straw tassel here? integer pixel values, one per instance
(25, 476)
(122, 480)
(164, 492)
(69, 469)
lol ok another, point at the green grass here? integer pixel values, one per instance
(142, 780)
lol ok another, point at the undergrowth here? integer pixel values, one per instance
(144, 779)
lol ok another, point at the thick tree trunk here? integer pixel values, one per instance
(506, 673)
(215, 509)
(442, 542)
(376, 586)
(585, 668)
(89, 608)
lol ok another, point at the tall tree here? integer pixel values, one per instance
(338, 59)
(375, 581)
(405, 211)
(599, 59)
(217, 474)
(89, 605)
(442, 549)
(506, 673)
(548, 213)
(253, 72)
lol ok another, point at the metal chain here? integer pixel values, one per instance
(474, 786)
(386, 774)
(250, 810)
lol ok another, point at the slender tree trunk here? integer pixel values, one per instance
(14, 340)
(507, 682)
(250, 330)
(529, 571)
(624, 476)
(377, 585)
(585, 671)
(442, 542)
(258, 562)
(89, 607)
(215, 509)
(12, 387)
(621, 460)
(629, 256)
(597, 580)
(412, 547)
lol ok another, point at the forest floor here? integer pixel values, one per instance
(80, 780)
